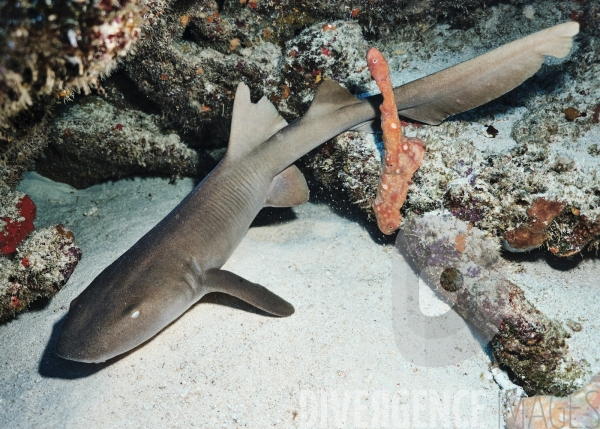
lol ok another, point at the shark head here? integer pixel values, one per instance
(141, 293)
(117, 312)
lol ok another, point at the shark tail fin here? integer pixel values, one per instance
(477, 81)
(217, 280)
(251, 123)
(555, 41)
(330, 96)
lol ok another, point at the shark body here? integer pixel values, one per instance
(179, 261)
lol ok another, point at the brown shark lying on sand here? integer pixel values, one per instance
(179, 260)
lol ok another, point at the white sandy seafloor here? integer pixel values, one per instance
(334, 363)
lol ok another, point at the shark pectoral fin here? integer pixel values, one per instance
(251, 123)
(218, 280)
(288, 189)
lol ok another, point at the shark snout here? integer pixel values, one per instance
(75, 345)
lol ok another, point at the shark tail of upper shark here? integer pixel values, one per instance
(477, 81)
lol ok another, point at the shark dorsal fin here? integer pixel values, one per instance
(251, 123)
(330, 96)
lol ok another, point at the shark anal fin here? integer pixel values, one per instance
(288, 189)
(217, 280)
(251, 123)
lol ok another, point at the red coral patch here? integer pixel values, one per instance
(16, 230)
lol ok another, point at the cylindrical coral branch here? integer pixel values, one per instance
(402, 155)
(524, 340)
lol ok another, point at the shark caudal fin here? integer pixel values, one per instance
(484, 78)
(217, 280)
(330, 96)
(288, 189)
(251, 123)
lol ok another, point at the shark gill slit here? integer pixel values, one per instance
(195, 267)
(191, 281)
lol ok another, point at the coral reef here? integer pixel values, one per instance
(49, 50)
(402, 155)
(488, 166)
(464, 268)
(578, 410)
(93, 140)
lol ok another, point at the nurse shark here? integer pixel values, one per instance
(179, 261)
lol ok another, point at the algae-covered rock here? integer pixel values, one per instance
(93, 140)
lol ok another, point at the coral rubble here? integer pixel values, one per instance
(524, 340)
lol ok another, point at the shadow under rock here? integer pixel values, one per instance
(554, 262)
(334, 198)
(52, 366)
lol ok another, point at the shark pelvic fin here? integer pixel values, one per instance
(251, 123)
(288, 189)
(217, 280)
(330, 96)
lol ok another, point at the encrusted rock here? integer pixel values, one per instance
(43, 264)
(93, 141)
(50, 50)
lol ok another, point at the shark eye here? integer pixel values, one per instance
(135, 314)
